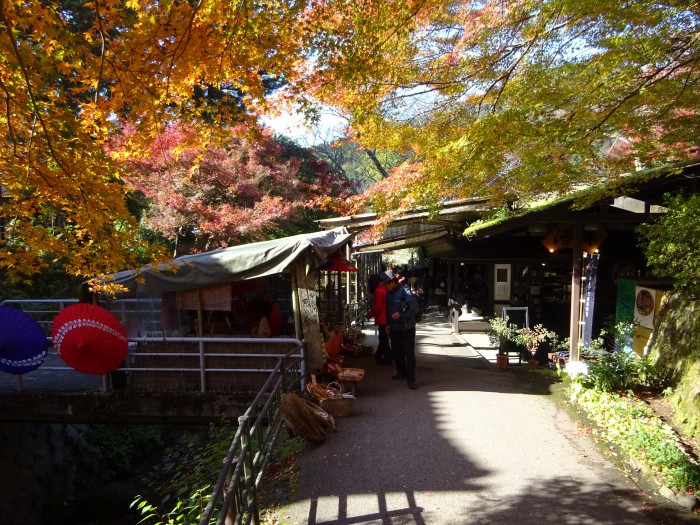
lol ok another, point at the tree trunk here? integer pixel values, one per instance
(373, 157)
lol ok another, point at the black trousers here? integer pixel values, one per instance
(403, 347)
(383, 352)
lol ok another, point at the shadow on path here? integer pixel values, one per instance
(471, 446)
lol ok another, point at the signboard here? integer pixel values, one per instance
(590, 274)
(644, 306)
(562, 238)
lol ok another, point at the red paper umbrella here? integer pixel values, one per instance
(89, 339)
(335, 263)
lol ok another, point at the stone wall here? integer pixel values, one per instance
(676, 348)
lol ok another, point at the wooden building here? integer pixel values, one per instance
(565, 258)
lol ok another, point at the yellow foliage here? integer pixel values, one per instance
(517, 97)
(69, 81)
(486, 98)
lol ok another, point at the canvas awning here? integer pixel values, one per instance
(237, 263)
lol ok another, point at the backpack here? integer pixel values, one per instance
(419, 316)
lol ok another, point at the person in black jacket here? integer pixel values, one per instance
(401, 309)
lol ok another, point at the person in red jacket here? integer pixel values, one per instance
(378, 311)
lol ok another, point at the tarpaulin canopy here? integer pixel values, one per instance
(237, 263)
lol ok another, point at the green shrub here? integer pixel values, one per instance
(632, 426)
(619, 371)
(179, 483)
(611, 368)
(187, 511)
(192, 462)
(672, 245)
(501, 331)
(611, 372)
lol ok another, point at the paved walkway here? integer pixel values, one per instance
(468, 447)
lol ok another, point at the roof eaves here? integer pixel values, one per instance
(586, 196)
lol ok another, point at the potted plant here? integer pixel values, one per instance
(531, 338)
(502, 335)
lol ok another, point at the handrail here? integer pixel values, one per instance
(36, 301)
(202, 367)
(234, 496)
(45, 310)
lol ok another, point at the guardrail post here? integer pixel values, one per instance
(248, 471)
(232, 509)
(303, 366)
(202, 369)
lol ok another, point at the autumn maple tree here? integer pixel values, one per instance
(489, 98)
(73, 74)
(247, 190)
(513, 98)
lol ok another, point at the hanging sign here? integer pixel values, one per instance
(562, 238)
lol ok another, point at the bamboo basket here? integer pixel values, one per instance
(330, 398)
(320, 414)
(351, 374)
(320, 391)
(336, 406)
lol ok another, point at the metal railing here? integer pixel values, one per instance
(43, 311)
(140, 360)
(203, 355)
(135, 356)
(234, 497)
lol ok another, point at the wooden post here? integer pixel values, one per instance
(339, 300)
(574, 322)
(348, 279)
(308, 312)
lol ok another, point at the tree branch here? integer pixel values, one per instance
(30, 91)
(102, 49)
(372, 154)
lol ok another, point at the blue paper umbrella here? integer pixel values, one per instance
(23, 344)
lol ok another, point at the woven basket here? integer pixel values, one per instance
(321, 391)
(336, 406)
(351, 374)
(321, 415)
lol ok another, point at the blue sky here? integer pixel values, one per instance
(292, 125)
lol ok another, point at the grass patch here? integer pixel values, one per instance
(634, 428)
